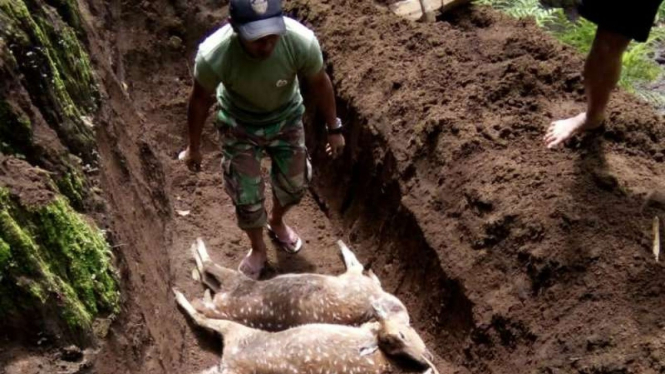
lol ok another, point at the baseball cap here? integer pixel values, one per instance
(255, 19)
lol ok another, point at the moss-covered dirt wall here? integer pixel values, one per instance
(54, 68)
(52, 261)
(56, 272)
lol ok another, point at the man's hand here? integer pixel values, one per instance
(335, 145)
(191, 158)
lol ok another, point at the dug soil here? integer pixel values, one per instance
(510, 257)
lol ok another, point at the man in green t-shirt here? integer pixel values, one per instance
(253, 65)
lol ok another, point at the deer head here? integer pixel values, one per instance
(399, 339)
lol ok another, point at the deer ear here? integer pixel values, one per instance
(373, 276)
(368, 350)
(379, 310)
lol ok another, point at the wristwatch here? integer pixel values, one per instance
(337, 129)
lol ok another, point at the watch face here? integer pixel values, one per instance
(338, 125)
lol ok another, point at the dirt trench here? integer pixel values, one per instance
(326, 215)
(509, 257)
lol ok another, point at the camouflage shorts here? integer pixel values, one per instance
(244, 147)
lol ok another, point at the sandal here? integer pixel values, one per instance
(249, 271)
(293, 245)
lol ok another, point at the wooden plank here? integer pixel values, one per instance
(412, 9)
(656, 237)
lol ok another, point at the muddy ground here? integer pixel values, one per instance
(510, 257)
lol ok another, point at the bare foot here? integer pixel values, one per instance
(252, 265)
(560, 131)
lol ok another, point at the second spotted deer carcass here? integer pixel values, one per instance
(291, 300)
(373, 348)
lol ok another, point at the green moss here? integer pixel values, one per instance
(72, 186)
(73, 312)
(5, 255)
(37, 291)
(81, 251)
(68, 10)
(24, 253)
(52, 262)
(72, 62)
(15, 131)
(52, 259)
(56, 69)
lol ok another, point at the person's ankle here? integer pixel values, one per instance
(258, 248)
(258, 253)
(276, 222)
(593, 120)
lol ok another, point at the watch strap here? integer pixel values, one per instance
(335, 131)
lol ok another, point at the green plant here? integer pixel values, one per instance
(522, 9)
(660, 16)
(579, 34)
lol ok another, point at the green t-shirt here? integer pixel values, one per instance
(255, 91)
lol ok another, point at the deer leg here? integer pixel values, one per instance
(350, 261)
(211, 274)
(221, 276)
(215, 325)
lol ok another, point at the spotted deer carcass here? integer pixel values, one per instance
(294, 299)
(374, 348)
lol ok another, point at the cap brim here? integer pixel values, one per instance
(258, 29)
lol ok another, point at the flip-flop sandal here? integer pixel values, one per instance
(249, 271)
(293, 246)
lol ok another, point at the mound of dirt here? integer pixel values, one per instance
(550, 250)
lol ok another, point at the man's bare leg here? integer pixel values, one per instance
(253, 263)
(277, 220)
(602, 71)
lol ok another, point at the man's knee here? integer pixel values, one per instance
(289, 198)
(610, 43)
(290, 189)
(251, 216)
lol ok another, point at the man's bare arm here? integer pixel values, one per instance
(200, 101)
(321, 88)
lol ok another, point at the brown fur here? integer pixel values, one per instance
(315, 348)
(295, 299)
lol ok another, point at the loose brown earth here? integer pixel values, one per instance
(510, 257)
